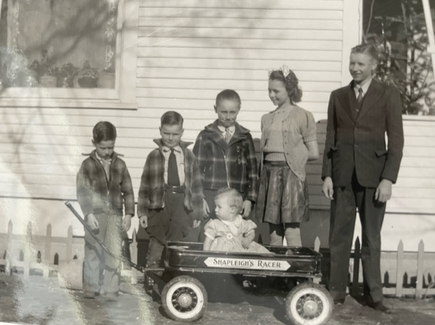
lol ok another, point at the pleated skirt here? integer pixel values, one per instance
(282, 196)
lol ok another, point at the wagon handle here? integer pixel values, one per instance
(83, 222)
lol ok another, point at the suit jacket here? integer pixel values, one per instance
(357, 141)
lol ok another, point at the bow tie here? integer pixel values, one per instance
(166, 149)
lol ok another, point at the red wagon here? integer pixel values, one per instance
(184, 297)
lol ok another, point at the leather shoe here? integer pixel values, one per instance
(379, 306)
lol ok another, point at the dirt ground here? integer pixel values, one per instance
(42, 301)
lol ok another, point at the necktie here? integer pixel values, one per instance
(106, 166)
(227, 135)
(173, 178)
(360, 95)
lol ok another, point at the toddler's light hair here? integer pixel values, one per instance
(234, 198)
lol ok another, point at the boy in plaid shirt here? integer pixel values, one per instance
(226, 155)
(171, 201)
(104, 192)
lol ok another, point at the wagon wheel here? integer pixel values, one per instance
(309, 304)
(184, 299)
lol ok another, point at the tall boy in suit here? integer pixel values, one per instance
(359, 170)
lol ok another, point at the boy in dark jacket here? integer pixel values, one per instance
(104, 189)
(226, 155)
(171, 201)
(359, 170)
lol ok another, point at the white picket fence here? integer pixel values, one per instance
(40, 254)
(404, 273)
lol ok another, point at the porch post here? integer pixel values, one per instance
(430, 35)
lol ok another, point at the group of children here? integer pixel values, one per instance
(206, 194)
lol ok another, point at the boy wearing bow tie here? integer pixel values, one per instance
(171, 201)
(104, 190)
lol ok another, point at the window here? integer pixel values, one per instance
(68, 53)
(399, 29)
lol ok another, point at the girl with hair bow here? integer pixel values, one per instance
(288, 141)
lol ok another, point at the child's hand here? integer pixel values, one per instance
(246, 241)
(206, 208)
(196, 223)
(328, 188)
(247, 206)
(126, 222)
(383, 191)
(93, 222)
(143, 221)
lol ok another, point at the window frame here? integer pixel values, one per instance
(123, 96)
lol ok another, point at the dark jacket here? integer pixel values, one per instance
(357, 141)
(96, 194)
(227, 165)
(152, 184)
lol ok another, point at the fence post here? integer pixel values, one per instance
(27, 250)
(9, 248)
(133, 256)
(317, 249)
(47, 253)
(420, 269)
(69, 240)
(356, 259)
(399, 270)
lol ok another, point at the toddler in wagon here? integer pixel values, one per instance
(230, 232)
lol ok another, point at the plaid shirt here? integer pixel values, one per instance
(152, 191)
(227, 165)
(96, 194)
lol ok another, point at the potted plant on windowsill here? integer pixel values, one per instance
(87, 76)
(49, 77)
(35, 70)
(47, 71)
(67, 73)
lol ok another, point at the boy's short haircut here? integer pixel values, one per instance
(171, 118)
(234, 198)
(366, 48)
(104, 131)
(228, 94)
